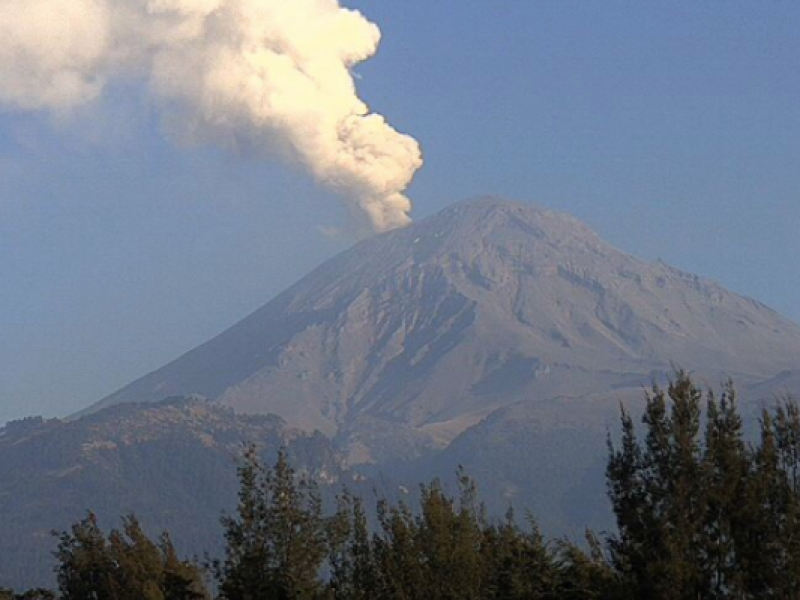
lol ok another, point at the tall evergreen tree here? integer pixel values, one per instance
(353, 574)
(761, 543)
(658, 492)
(244, 572)
(138, 566)
(632, 547)
(449, 541)
(295, 524)
(787, 498)
(710, 517)
(399, 564)
(275, 545)
(727, 478)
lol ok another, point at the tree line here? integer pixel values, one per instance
(700, 512)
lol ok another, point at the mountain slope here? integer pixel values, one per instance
(172, 463)
(418, 334)
(494, 335)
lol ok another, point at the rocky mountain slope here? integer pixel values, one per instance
(400, 344)
(495, 335)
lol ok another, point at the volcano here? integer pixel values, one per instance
(495, 335)
(402, 343)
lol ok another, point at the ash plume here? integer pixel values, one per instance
(267, 76)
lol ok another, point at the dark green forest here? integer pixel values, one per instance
(701, 512)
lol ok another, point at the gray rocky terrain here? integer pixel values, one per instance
(405, 341)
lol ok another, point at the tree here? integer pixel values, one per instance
(727, 480)
(761, 553)
(181, 580)
(658, 493)
(779, 468)
(275, 545)
(519, 565)
(399, 564)
(711, 517)
(585, 576)
(125, 566)
(86, 570)
(353, 574)
(449, 538)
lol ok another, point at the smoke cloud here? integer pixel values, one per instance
(266, 76)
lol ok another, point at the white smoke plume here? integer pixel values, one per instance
(271, 76)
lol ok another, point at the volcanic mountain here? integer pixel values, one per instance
(494, 335)
(401, 343)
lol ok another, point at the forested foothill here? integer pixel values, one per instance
(701, 512)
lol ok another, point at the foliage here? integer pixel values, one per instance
(276, 542)
(280, 546)
(37, 594)
(700, 513)
(126, 565)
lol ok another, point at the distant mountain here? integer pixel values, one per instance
(496, 335)
(172, 463)
(403, 342)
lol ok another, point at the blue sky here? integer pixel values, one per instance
(673, 129)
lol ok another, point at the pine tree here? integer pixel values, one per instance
(399, 564)
(350, 553)
(519, 565)
(137, 563)
(297, 534)
(760, 537)
(727, 474)
(683, 488)
(658, 496)
(86, 570)
(181, 580)
(787, 441)
(125, 566)
(275, 545)
(244, 573)
(449, 542)
(585, 575)
(631, 548)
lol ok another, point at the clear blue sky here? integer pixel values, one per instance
(673, 129)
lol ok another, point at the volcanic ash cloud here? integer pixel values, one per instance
(266, 76)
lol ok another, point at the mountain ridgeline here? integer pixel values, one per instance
(172, 462)
(400, 344)
(495, 335)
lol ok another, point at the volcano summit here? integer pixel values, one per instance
(400, 344)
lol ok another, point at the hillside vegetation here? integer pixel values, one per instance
(700, 513)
